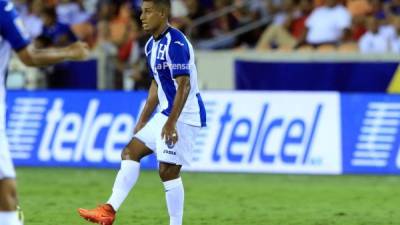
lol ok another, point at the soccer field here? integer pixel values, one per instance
(51, 197)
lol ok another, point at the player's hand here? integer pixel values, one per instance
(169, 134)
(138, 127)
(78, 51)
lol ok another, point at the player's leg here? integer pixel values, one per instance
(171, 161)
(8, 203)
(8, 193)
(174, 192)
(129, 171)
(140, 146)
(124, 182)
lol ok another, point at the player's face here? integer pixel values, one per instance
(372, 25)
(151, 17)
(331, 3)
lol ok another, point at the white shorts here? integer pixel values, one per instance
(6, 166)
(181, 153)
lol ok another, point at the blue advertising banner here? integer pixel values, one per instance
(321, 76)
(270, 132)
(72, 129)
(370, 133)
(275, 132)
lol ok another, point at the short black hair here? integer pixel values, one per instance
(165, 3)
(50, 12)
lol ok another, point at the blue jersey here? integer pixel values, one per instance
(12, 36)
(169, 56)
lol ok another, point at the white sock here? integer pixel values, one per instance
(9, 218)
(175, 196)
(124, 182)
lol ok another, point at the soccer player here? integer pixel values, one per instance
(170, 133)
(14, 36)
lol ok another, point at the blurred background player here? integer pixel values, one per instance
(170, 133)
(373, 41)
(13, 35)
(328, 24)
(58, 33)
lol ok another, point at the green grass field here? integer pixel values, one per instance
(51, 197)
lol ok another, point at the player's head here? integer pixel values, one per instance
(372, 24)
(331, 3)
(155, 14)
(49, 16)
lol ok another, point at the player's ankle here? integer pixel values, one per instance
(111, 208)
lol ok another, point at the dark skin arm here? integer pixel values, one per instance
(169, 133)
(32, 56)
(150, 106)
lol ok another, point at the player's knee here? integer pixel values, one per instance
(129, 154)
(164, 173)
(10, 203)
(8, 197)
(168, 173)
(124, 153)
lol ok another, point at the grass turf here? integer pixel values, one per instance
(51, 197)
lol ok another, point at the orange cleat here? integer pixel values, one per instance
(104, 214)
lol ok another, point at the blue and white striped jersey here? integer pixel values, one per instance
(12, 36)
(169, 56)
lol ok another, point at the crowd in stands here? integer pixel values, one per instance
(368, 26)
(113, 27)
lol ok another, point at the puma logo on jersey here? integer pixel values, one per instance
(179, 43)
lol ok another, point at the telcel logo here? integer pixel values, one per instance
(71, 137)
(295, 133)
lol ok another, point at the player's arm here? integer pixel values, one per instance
(149, 107)
(182, 93)
(32, 56)
(181, 96)
(13, 30)
(179, 53)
